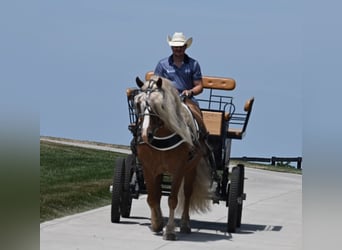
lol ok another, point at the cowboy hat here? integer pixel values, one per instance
(178, 39)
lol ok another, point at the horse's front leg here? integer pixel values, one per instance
(188, 188)
(153, 200)
(169, 233)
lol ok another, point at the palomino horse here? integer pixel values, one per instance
(169, 143)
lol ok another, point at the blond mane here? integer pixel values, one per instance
(166, 103)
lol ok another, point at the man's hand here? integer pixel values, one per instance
(187, 93)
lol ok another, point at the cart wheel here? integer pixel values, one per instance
(241, 194)
(117, 189)
(126, 198)
(233, 195)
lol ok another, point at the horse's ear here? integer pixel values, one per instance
(159, 82)
(139, 82)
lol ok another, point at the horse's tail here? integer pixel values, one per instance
(201, 195)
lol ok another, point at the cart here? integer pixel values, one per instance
(223, 123)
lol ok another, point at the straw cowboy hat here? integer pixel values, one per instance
(178, 39)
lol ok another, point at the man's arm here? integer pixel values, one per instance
(196, 89)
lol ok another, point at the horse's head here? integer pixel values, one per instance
(146, 104)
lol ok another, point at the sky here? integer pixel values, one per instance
(84, 54)
(91, 51)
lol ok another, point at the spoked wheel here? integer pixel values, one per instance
(117, 191)
(235, 197)
(126, 198)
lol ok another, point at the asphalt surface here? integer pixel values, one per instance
(271, 219)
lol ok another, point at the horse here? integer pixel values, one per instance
(170, 143)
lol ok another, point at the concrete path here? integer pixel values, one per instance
(271, 219)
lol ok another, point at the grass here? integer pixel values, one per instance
(73, 179)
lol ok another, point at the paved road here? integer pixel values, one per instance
(271, 219)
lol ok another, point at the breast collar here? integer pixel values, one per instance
(166, 143)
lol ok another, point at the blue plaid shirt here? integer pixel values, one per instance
(182, 77)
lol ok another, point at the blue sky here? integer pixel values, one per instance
(89, 52)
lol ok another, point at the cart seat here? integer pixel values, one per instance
(214, 121)
(239, 121)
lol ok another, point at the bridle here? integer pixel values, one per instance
(147, 107)
(160, 143)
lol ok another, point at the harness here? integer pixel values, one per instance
(167, 142)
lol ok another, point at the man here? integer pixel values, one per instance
(185, 74)
(182, 70)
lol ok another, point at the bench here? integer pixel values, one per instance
(238, 121)
(223, 127)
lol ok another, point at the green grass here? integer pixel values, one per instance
(73, 179)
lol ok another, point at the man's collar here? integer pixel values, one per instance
(186, 59)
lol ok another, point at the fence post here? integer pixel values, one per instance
(299, 163)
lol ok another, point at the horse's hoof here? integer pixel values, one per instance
(156, 229)
(185, 230)
(169, 236)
